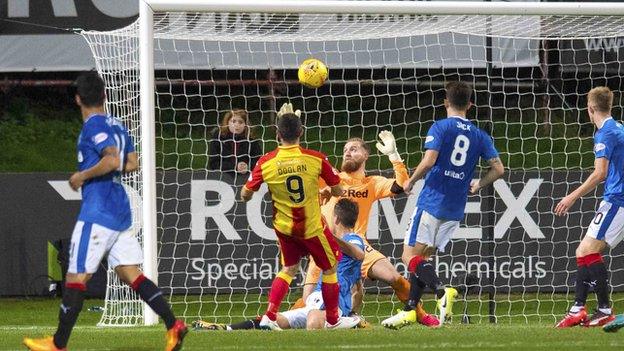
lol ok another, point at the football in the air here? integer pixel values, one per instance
(312, 73)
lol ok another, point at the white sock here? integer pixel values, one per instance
(576, 308)
(605, 310)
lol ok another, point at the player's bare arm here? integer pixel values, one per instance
(246, 194)
(132, 163)
(325, 194)
(336, 190)
(350, 249)
(601, 167)
(423, 167)
(109, 162)
(496, 171)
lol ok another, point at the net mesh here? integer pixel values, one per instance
(511, 258)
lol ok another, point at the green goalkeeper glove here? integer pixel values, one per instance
(288, 108)
(387, 146)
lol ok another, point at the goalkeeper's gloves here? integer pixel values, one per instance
(288, 108)
(387, 146)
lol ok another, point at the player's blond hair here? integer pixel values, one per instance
(362, 143)
(601, 99)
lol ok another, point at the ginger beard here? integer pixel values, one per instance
(350, 165)
(354, 155)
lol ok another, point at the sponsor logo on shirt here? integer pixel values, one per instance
(100, 137)
(454, 174)
(80, 158)
(354, 193)
(599, 147)
(429, 138)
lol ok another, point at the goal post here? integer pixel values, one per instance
(184, 63)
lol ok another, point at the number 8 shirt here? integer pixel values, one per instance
(442, 201)
(459, 144)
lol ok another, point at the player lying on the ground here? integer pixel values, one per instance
(312, 315)
(365, 191)
(454, 146)
(607, 227)
(292, 174)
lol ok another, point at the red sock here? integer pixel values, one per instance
(279, 289)
(413, 263)
(592, 259)
(330, 291)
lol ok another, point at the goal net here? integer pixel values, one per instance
(512, 259)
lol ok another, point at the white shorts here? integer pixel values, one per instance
(90, 242)
(426, 229)
(608, 224)
(298, 318)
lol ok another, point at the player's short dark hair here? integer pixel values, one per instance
(289, 127)
(601, 99)
(347, 212)
(458, 94)
(90, 89)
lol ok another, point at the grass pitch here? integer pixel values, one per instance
(36, 317)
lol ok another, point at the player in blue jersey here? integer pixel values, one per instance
(312, 315)
(453, 146)
(607, 227)
(104, 226)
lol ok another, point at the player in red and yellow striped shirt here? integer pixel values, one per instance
(292, 174)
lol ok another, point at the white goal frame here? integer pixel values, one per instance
(146, 61)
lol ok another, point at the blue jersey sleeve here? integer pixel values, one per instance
(433, 141)
(602, 147)
(100, 136)
(489, 150)
(355, 240)
(129, 143)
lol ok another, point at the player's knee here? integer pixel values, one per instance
(290, 270)
(128, 274)
(589, 246)
(406, 258)
(307, 290)
(315, 320)
(330, 271)
(428, 251)
(80, 278)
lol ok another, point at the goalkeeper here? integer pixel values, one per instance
(312, 315)
(365, 190)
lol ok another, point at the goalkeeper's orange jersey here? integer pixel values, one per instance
(365, 191)
(292, 174)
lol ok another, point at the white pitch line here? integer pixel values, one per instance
(82, 327)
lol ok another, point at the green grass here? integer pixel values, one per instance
(35, 317)
(34, 145)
